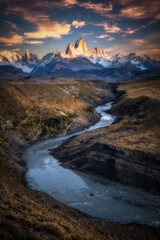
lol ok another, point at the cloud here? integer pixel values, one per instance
(138, 41)
(111, 29)
(141, 10)
(103, 36)
(100, 8)
(78, 24)
(13, 25)
(110, 39)
(34, 12)
(86, 34)
(33, 42)
(133, 12)
(69, 3)
(14, 39)
(37, 6)
(15, 50)
(49, 29)
(130, 30)
(108, 28)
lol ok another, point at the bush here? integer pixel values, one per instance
(88, 109)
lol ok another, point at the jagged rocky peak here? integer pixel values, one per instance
(70, 51)
(81, 45)
(27, 53)
(29, 56)
(58, 52)
(81, 49)
(97, 52)
(118, 55)
(9, 56)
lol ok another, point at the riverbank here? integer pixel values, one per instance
(89, 194)
(30, 214)
(127, 151)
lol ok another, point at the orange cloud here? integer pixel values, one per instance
(45, 27)
(133, 12)
(111, 29)
(138, 41)
(110, 39)
(33, 42)
(100, 8)
(78, 24)
(141, 10)
(9, 41)
(50, 29)
(15, 50)
(103, 36)
(67, 3)
(130, 30)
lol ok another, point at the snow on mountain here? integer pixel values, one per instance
(9, 56)
(79, 58)
(56, 63)
(81, 49)
(26, 62)
(133, 61)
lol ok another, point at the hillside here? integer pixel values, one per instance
(32, 111)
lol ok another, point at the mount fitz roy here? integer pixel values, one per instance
(79, 60)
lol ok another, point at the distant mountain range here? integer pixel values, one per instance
(26, 62)
(80, 60)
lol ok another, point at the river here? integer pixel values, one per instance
(94, 196)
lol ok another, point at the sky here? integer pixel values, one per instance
(118, 26)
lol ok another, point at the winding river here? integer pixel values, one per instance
(94, 196)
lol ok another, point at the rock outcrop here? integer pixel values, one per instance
(125, 166)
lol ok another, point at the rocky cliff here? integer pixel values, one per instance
(128, 150)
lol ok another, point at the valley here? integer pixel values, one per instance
(127, 151)
(79, 120)
(32, 111)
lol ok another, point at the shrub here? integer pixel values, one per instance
(88, 109)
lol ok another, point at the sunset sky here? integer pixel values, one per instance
(118, 26)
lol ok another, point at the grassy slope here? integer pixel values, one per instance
(29, 214)
(139, 129)
(137, 126)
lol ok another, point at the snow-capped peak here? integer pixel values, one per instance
(26, 62)
(9, 56)
(77, 57)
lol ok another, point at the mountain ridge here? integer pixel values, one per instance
(78, 58)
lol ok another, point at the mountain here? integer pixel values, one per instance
(29, 60)
(9, 69)
(26, 62)
(56, 63)
(80, 61)
(81, 49)
(7, 57)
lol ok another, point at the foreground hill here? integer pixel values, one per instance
(32, 111)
